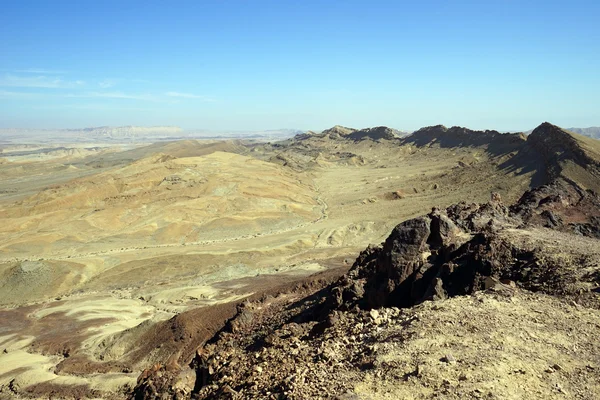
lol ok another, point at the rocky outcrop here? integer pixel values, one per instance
(534, 245)
(377, 133)
(339, 132)
(291, 346)
(458, 250)
(457, 136)
(549, 151)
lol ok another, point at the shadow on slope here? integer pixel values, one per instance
(548, 152)
(457, 251)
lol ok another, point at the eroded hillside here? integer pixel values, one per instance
(143, 255)
(478, 300)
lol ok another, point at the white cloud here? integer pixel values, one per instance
(42, 71)
(188, 96)
(168, 97)
(95, 106)
(4, 94)
(38, 82)
(115, 95)
(107, 83)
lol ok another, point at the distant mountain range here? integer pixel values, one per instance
(102, 133)
(129, 131)
(382, 132)
(593, 131)
(133, 134)
(162, 133)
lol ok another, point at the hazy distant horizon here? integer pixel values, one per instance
(479, 127)
(201, 131)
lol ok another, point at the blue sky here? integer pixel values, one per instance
(253, 65)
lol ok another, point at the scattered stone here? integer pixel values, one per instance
(559, 388)
(228, 390)
(348, 396)
(491, 283)
(508, 282)
(449, 358)
(398, 195)
(557, 367)
(447, 253)
(374, 314)
(14, 386)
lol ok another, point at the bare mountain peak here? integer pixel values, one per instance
(432, 128)
(339, 130)
(377, 133)
(547, 132)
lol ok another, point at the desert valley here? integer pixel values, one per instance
(357, 263)
(272, 200)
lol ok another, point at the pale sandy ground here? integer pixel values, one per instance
(126, 246)
(116, 312)
(520, 346)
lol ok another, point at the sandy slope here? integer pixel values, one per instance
(141, 241)
(522, 346)
(159, 201)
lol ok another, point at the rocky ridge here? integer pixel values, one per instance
(531, 266)
(322, 345)
(339, 132)
(460, 251)
(457, 136)
(568, 155)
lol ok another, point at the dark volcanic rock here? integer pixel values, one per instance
(457, 251)
(339, 132)
(557, 146)
(379, 272)
(453, 252)
(377, 133)
(457, 136)
(568, 156)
